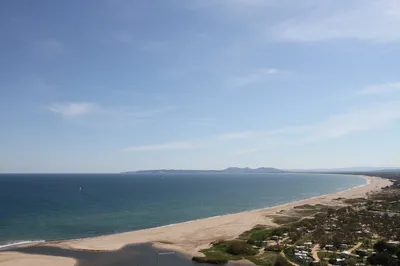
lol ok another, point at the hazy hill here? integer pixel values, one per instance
(230, 170)
(346, 169)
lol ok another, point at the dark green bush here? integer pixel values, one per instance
(210, 260)
(240, 248)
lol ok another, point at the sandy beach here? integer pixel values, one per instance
(188, 237)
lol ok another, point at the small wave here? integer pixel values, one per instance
(20, 243)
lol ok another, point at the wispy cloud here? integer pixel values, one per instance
(368, 118)
(248, 151)
(312, 20)
(241, 135)
(89, 113)
(180, 145)
(363, 119)
(127, 38)
(368, 20)
(76, 109)
(256, 76)
(380, 89)
(203, 121)
(50, 47)
(124, 37)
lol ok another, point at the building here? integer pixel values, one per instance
(362, 252)
(345, 254)
(330, 247)
(308, 244)
(393, 243)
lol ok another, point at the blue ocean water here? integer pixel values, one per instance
(66, 206)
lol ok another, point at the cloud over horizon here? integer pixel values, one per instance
(256, 76)
(361, 119)
(50, 47)
(314, 20)
(220, 82)
(380, 89)
(89, 112)
(73, 109)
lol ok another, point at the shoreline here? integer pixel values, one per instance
(18, 243)
(191, 236)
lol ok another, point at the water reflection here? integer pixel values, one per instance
(131, 255)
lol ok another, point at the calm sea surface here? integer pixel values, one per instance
(54, 206)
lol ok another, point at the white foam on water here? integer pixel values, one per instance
(20, 243)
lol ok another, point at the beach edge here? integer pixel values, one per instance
(192, 236)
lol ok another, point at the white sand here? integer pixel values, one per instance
(20, 259)
(190, 237)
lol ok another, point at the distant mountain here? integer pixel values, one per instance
(388, 170)
(230, 170)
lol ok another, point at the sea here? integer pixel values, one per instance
(44, 207)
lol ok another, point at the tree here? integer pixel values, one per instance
(240, 248)
(352, 262)
(294, 236)
(380, 259)
(367, 243)
(380, 246)
(323, 263)
(281, 261)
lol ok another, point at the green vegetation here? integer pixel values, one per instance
(239, 249)
(269, 259)
(328, 255)
(210, 260)
(310, 210)
(305, 206)
(230, 250)
(257, 235)
(372, 223)
(289, 252)
(281, 220)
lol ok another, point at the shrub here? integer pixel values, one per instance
(381, 246)
(274, 248)
(240, 248)
(281, 261)
(210, 260)
(380, 259)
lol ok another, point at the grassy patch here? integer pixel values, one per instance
(166, 242)
(230, 250)
(266, 259)
(306, 206)
(285, 219)
(224, 251)
(354, 201)
(327, 255)
(310, 210)
(210, 260)
(306, 212)
(256, 234)
(218, 251)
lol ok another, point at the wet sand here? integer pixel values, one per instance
(192, 236)
(131, 255)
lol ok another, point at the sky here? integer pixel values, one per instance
(117, 85)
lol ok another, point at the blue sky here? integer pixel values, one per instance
(109, 86)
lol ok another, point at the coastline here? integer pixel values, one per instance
(191, 236)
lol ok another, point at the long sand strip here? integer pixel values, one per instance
(20, 259)
(190, 237)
